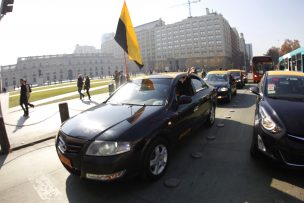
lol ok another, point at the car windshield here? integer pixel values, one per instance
(217, 78)
(262, 67)
(235, 74)
(151, 92)
(285, 87)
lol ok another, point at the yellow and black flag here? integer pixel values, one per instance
(125, 36)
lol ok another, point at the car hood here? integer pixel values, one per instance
(97, 120)
(290, 113)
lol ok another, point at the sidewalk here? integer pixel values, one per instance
(43, 121)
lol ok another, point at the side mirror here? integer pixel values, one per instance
(254, 90)
(183, 99)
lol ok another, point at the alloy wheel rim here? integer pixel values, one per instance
(159, 159)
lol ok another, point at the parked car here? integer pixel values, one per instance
(133, 130)
(238, 77)
(224, 84)
(279, 124)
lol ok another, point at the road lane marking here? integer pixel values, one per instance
(288, 188)
(44, 187)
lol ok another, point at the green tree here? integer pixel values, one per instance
(274, 53)
(289, 46)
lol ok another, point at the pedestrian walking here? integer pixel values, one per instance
(80, 86)
(23, 98)
(116, 78)
(204, 74)
(87, 86)
(28, 93)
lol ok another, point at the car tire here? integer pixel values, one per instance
(156, 159)
(211, 117)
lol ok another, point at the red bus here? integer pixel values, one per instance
(260, 64)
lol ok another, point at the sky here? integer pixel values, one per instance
(42, 27)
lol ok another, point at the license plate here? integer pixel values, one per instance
(65, 160)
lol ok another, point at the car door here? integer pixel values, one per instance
(184, 114)
(201, 98)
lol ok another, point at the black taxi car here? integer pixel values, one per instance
(237, 74)
(223, 83)
(132, 131)
(279, 124)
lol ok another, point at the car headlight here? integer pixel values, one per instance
(107, 148)
(223, 89)
(268, 123)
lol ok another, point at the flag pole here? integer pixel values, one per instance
(126, 66)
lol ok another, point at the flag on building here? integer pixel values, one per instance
(125, 36)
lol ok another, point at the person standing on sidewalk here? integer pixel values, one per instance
(23, 98)
(28, 93)
(87, 86)
(116, 79)
(80, 85)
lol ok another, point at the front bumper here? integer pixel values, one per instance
(222, 94)
(104, 168)
(288, 149)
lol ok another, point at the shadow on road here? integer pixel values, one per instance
(89, 102)
(20, 123)
(2, 160)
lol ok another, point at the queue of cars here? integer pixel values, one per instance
(227, 82)
(133, 130)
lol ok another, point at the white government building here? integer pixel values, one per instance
(202, 41)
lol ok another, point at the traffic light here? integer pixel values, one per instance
(6, 6)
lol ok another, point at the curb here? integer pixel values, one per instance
(32, 143)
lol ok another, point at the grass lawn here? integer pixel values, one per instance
(51, 92)
(100, 91)
(73, 83)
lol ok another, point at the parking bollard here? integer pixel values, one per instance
(111, 88)
(64, 112)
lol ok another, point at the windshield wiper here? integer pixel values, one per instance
(129, 104)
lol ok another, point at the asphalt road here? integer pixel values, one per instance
(209, 165)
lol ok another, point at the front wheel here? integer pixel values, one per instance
(156, 159)
(211, 117)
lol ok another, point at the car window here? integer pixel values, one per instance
(285, 87)
(235, 74)
(217, 78)
(184, 87)
(152, 92)
(198, 84)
